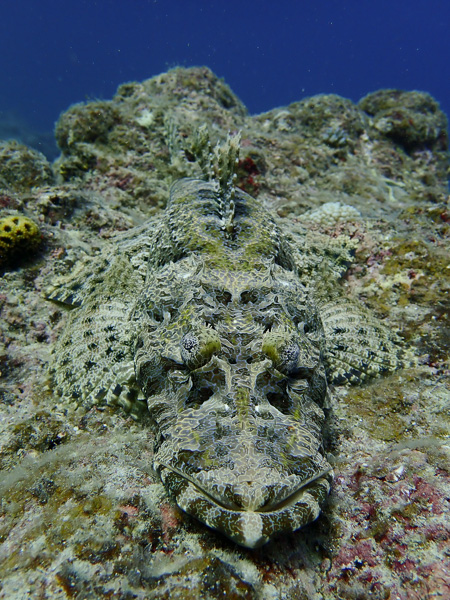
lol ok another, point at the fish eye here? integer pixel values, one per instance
(283, 351)
(198, 346)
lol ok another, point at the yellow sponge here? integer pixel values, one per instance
(19, 236)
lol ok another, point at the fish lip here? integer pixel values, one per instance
(293, 498)
(290, 500)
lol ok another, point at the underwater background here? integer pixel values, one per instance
(101, 109)
(53, 54)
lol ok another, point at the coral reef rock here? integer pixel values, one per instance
(359, 195)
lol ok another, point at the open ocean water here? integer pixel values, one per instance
(53, 53)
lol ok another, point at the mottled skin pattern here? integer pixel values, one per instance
(232, 346)
(222, 333)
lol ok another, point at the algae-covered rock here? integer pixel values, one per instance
(22, 168)
(80, 131)
(332, 118)
(81, 514)
(412, 119)
(85, 122)
(129, 142)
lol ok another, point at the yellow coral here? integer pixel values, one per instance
(18, 236)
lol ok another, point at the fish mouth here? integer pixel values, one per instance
(272, 504)
(249, 527)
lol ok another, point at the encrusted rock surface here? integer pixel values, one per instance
(82, 515)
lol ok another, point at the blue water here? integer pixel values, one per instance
(57, 52)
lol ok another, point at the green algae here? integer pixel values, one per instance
(389, 408)
(58, 511)
(38, 433)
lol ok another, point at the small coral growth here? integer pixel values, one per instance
(19, 238)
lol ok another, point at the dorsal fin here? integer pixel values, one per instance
(218, 166)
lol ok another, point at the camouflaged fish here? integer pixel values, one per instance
(217, 318)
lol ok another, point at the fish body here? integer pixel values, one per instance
(228, 356)
(210, 316)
